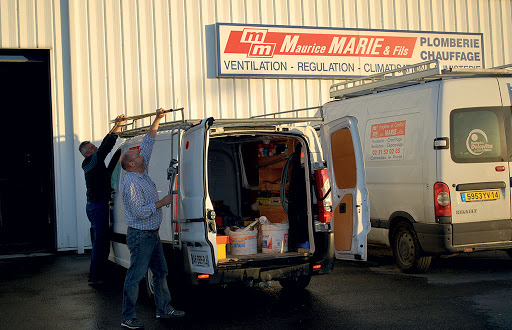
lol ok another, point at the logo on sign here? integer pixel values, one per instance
(259, 48)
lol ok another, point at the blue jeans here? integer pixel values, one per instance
(145, 251)
(98, 216)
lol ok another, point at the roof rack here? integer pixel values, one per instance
(407, 76)
(254, 122)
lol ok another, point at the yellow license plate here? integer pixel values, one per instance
(484, 195)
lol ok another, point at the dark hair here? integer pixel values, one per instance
(82, 148)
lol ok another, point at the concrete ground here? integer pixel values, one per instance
(466, 292)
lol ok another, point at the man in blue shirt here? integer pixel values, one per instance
(97, 181)
(143, 215)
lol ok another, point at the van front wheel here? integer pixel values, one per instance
(406, 250)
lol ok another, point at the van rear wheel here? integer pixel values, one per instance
(295, 283)
(406, 250)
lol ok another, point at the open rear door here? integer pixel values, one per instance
(351, 216)
(197, 233)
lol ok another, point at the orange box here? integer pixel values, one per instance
(222, 241)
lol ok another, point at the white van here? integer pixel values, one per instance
(230, 173)
(437, 147)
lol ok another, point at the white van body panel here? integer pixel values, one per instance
(396, 182)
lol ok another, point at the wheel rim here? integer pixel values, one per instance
(405, 248)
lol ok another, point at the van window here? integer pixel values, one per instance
(477, 135)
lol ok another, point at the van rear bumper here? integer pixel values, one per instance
(453, 238)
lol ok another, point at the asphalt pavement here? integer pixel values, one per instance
(472, 291)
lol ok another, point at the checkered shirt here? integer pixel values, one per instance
(140, 194)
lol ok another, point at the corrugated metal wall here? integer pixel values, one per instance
(132, 56)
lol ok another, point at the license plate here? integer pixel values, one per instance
(199, 259)
(484, 195)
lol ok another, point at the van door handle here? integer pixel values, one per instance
(480, 185)
(343, 208)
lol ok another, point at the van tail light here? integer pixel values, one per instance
(442, 200)
(324, 201)
(203, 276)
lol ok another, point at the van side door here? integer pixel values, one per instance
(351, 214)
(197, 231)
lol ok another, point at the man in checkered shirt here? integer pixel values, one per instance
(143, 215)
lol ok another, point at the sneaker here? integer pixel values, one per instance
(173, 314)
(132, 324)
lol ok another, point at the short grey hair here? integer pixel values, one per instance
(83, 147)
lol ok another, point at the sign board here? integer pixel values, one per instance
(245, 50)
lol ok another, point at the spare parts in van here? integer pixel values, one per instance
(253, 201)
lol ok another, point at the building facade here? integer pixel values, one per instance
(69, 66)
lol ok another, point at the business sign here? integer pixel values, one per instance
(285, 51)
(387, 141)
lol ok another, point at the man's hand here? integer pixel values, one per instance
(164, 202)
(121, 119)
(160, 113)
(119, 122)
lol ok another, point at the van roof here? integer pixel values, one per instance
(407, 76)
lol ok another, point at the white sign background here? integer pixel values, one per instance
(286, 51)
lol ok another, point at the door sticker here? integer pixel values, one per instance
(478, 143)
(387, 141)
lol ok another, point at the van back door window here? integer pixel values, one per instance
(351, 219)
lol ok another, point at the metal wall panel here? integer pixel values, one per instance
(132, 56)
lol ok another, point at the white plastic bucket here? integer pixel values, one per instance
(243, 242)
(274, 238)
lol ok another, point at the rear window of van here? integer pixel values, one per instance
(477, 135)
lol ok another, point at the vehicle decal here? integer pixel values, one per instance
(387, 141)
(478, 143)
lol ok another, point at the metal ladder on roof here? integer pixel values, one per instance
(407, 76)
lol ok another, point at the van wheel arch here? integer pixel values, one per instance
(395, 218)
(406, 248)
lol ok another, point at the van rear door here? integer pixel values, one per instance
(351, 216)
(197, 231)
(475, 167)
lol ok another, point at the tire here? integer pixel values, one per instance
(509, 252)
(407, 251)
(296, 283)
